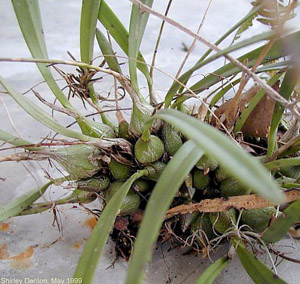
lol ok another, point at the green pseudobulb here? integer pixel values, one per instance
(171, 138)
(148, 151)
(118, 170)
(131, 202)
(80, 161)
(258, 219)
(221, 221)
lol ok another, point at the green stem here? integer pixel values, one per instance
(16, 141)
(41, 207)
(104, 117)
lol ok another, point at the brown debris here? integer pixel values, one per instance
(252, 201)
(259, 120)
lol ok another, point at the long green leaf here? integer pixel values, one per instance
(107, 52)
(19, 204)
(211, 273)
(77, 196)
(253, 103)
(117, 30)
(93, 249)
(185, 77)
(162, 195)
(286, 89)
(223, 91)
(41, 116)
(282, 224)
(258, 272)
(29, 18)
(88, 21)
(282, 163)
(277, 51)
(217, 55)
(138, 22)
(247, 170)
(277, 66)
(237, 46)
(16, 141)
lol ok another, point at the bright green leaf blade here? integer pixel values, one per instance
(277, 66)
(138, 22)
(93, 249)
(28, 16)
(41, 116)
(16, 141)
(258, 272)
(88, 21)
(161, 197)
(185, 77)
(117, 30)
(212, 272)
(282, 163)
(222, 92)
(286, 89)
(107, 52)
(253, 103)
(277, 51)
(19, 204)
(237, 46)
(247, 170)
(280, 226)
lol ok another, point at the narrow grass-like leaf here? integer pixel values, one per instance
(29, 18)
(277, 66)
(161, 197)
(138, 22)
(88, 21)
(16, 141)
(258, 272)
(286, 89)
(223, 91)
(93, 249)
(41, 116)
(117, 30)
(253, 103)
(19, 204)
(247, 170)
(282, 163)
(280, 226)
(185, 77)
(277, 51)
(237, 46)
(107, 52)
(212, 272)
(76, 197)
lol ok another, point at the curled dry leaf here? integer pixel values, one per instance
(258, 122)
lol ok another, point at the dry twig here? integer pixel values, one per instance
(252, 201)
